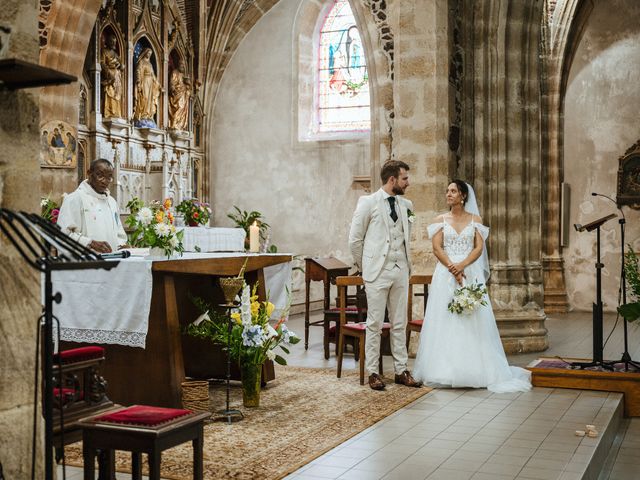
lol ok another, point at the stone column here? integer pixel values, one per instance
(420, 93)
(20, 284)
(507, 163)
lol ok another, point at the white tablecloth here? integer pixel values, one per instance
(214, 239)
(100, 306)
(105, 306)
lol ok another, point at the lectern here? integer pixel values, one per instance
(597, 306)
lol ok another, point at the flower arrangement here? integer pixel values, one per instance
(467, 298)
(194, 212)
(631, 311)
(411, 217)
(253, 339)
(49, 209)
(153, 226)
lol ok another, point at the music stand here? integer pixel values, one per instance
(46, 248)
(597, 306)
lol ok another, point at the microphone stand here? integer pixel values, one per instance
(626, 357)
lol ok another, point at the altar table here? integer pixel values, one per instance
(153, 375)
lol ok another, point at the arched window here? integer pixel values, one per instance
(343, 80)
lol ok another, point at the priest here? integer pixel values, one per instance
(90, 214)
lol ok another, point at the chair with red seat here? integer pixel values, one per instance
(356, 331)
(79, 390)
(414, 324)
(355, 311)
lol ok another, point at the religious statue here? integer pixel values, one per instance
(179, 94)
(111, 79)
(147, 91)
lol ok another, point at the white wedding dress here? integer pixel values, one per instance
(463, 350)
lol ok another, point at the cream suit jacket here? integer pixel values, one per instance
(369, 238)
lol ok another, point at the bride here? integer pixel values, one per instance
(462, 350)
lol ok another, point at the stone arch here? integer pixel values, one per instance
(562, 29)
(69, 26)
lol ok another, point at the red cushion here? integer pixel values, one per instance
(417, 323)
(143, 415)
(79, 354)
(68, 395)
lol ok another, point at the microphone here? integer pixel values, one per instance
(112, 255)
(595, 194)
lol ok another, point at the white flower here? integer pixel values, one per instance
(271, 332)
(145, 216)
(245, 307)
(162, 229)
(271, 355)
(202, 318)
(173, 241)
(43, 202)
(411, 216)
(287, 334)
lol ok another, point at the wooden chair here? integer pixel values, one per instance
(356, 312)
(356, 331)
(79, 391)
(415, 324)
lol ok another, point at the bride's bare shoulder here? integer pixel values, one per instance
(477, 219)
(439, 219)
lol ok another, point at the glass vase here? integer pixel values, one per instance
(251, 376)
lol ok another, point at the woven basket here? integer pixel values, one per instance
(195, 395)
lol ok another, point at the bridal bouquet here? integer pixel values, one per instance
(466, 299)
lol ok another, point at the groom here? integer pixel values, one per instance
(379, 244)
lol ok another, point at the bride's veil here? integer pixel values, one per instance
(471, 206)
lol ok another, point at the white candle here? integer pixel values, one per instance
(254, 237)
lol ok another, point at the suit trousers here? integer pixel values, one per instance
(389, 290)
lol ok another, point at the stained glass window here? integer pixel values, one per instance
(343, 80)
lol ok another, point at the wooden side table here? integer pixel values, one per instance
(325, 270)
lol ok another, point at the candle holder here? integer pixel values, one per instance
(230, 288)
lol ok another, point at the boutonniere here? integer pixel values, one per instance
(411, 216)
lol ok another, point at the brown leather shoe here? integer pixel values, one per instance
(406, 379)
(375, 382)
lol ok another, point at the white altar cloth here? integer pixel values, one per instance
(213, 239)
(105, 306)
(112, 306)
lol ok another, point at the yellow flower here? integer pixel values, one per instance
(255, 307)
(159, 216)
(236, 317)
(167, 203)
(270, 308)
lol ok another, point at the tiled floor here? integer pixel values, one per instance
(473, 434)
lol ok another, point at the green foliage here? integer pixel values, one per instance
(631, 311)
(244, 219)
(194, 211)
(251, 339)
(49, 209)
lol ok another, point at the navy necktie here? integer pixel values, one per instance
(392, 203)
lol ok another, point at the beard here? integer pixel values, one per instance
(398, 190)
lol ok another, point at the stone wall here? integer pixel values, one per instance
(600, 123)
(304, 189)
(19, 291)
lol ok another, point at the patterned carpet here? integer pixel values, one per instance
(302, 414)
